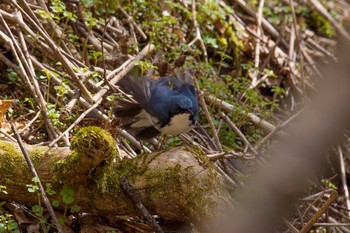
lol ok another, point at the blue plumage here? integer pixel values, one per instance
(168, 105)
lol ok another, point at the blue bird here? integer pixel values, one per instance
(166, 105)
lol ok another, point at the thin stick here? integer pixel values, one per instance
(332, 220)
(257, 47)
(298, 42)
(198, 32)
(137, 27)
(65, 62)
(75, 123)
(136, 200)
(318, 6)
(23, 68)
(35, 174)
(240, 134)
(7, 135)
(145, 51)
(227, 107)
(208, 117)
(290, 226)
(30, 122)
(319, 212)
(343, 177)
(210, 141)
(276, 130)
(265, 24)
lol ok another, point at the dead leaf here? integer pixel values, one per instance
(220, 26)
(4, 106)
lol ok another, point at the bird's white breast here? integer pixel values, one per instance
(178, 124)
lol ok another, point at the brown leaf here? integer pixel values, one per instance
(220, 26)
(4, 106)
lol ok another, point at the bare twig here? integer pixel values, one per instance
(35, 174)
(136, 200)
(290, 226)
(277, 129)
(313, 43)
(343, 178)
(318, 6)
(319, 213)
(145, 51)
(25, 72)
(7, 135)
(30, 122)
(81, 117)
(299, 42)
(267, 126)
(65, 62)
(332, 220)
(240, 134)
(208, 117)
(257, 47)
(137, 27)
(266, 25)
(198, 32)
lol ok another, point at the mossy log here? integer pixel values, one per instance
(177, 184)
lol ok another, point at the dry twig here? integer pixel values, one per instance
(35, 174)
(198, 32)
(136, 199)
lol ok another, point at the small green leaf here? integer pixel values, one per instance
(56, 203)
(110, 98)
(61, 220)
(2, 228)
(67, 191)
(12, 225)
(35, 180)
(38, 210)
(75, 208)
(68, 200)
(49, 189)
(31, 190)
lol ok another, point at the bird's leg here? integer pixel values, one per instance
(164, 138)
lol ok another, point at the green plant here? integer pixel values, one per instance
(67, 200)
(13, 77)
(38, 210)
(54, 115)
(3, 189)
(7, 224)
(329, 184)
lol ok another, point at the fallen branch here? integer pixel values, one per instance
(177, 184)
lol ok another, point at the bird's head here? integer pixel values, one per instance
(184, 105)
(182, 115)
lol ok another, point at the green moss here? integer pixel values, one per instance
(10, 160)
(36, 154)
(319, 24)
(183, 185)
(93, 139)
(201, 156)
(110, 176)
(71, 161)
(88, 142)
